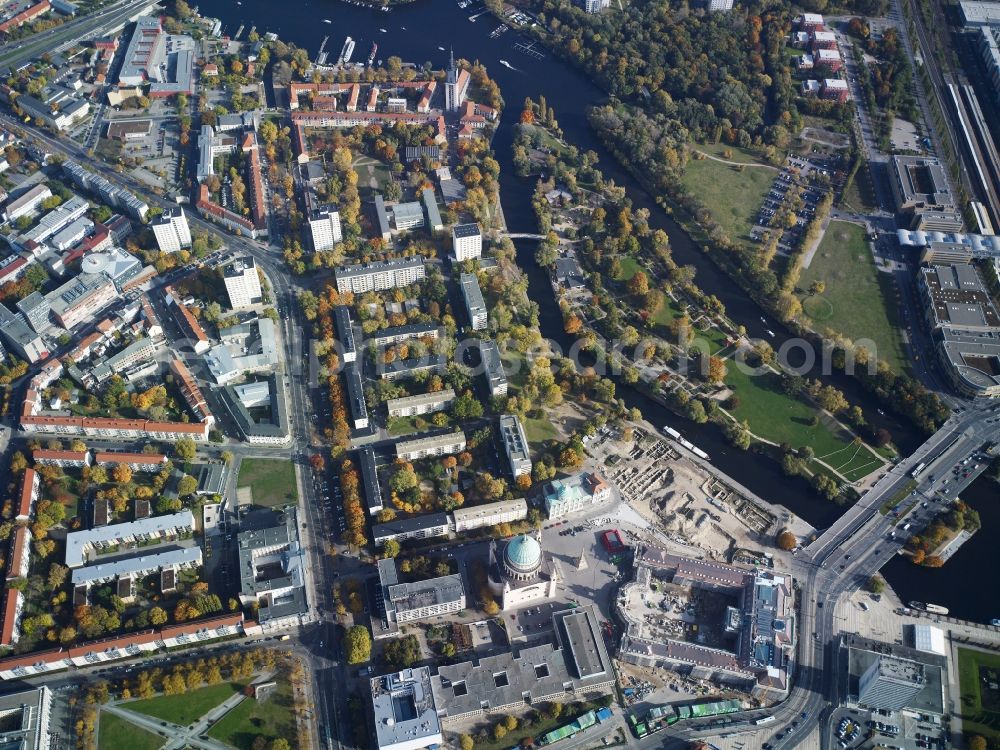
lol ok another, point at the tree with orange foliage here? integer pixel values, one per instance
(523, 482)
(573, 324)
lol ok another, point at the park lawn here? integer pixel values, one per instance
(272, 481)
(186, 708)
(270, 718)
(976, 718)
(666, 314)
(115, 733)
(780, 418)
(539, 430)
(629, 268)
(406, 425)
(733, 197)
(859, 301)
(548, 140)
(368, 168)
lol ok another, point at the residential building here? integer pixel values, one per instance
(490, 514)
(475, 305)
(26, 203)
(355, 396)
(515, 445)
(406, 216)
(405, 715)
(822, 39)
(423, 526)
(247, 347)
(115, 197)
(834, 89)
(399, 334)
(345, 333)
(79, 544)
(272, 572)
(141, 462)
(62, 459)
(576, 492)
(828, 59)
(435, 445)
(376, 277)
(52, 223)
(188, 323)
(719, 5)
(401, 369)
(16, 14)
(369, 478)
(576, 667)
(20, 553)
(570, 277)
(466, 241)
(324, 226)
(420, 600)
(422, 403)
(242, 283)
(979, 14)
(172, 231)
(496, 379)
(134, 568)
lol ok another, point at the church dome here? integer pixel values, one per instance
(523, 554)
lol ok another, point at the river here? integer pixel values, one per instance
(424, 31)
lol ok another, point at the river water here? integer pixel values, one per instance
(424, 31)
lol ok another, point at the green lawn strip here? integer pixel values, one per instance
(733, 197)
(976, 719)
(859, 301)
(270, 718)
(115, 733)
(539, 430)
(186, 708)
(776, 416)
(272, 481)
(897, 497)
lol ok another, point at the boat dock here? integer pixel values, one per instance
(530, 49)
(321, 55)
(239, 31)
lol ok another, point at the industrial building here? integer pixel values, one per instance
(920, 189)
(475, 305)
(751, 648)
(515, 445)
(575, 667)
(965, 326)
(379, 276)
(272, 572)
(405, 715)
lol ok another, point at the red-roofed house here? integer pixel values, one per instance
(29, 494)
(10, 629)
(20, 553)
(135, 461)
(74, 459)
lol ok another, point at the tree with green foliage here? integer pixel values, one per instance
(357, 644)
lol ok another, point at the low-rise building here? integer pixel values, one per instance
(376, 277)
(479, 516)
(62, 459)
(424, 526)
(369, 479)
(422, 403)
(261, 396)
(26, 203)
(142, 462)
(272, 572)
(515, 445)
(401, 369)
(575, 492)
(415, 601)
(79, 544)
(133, 568)
(398, 334)
(405, 715)
(435, 445)
(345, 333)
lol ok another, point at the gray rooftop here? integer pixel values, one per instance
(465, 230)
(404, 709)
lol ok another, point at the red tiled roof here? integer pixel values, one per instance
(27, 489)
(130, 458)
(43, 454)
(18, 550)
(9, 612)
(24, 16)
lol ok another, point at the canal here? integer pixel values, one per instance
(424, 31)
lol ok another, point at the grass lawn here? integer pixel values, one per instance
(369, 169)
(629, 268)
(115, 733)
(547, 140)
(859, 301)
(785, 419)
(980, 703)
(272, 481)
(666, 314)
(539, 430)
(250, 719)
(406, 425)
(186, 708)
(733, 197)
